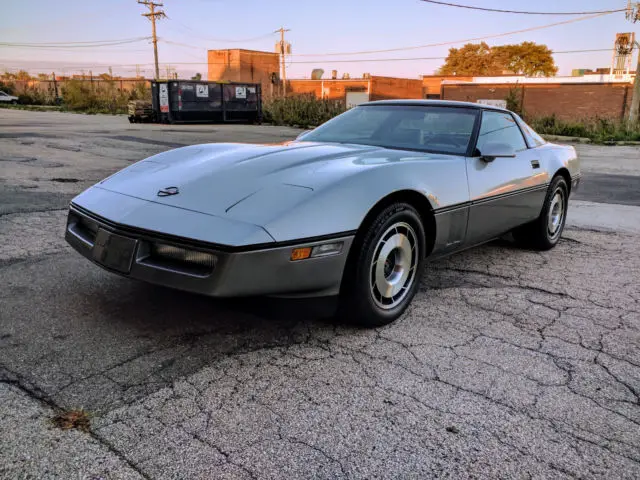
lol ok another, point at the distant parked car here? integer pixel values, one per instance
(6, 98)
(352, 208)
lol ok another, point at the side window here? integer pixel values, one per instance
(533, 139)
(500, 127)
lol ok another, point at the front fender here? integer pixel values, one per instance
(342, 205)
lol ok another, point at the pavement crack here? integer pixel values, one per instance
(33, 392)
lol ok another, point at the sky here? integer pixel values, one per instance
(316, 27)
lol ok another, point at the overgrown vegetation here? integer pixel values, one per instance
(300, 110)
(598, 130)
(82, 96)
(7, 86)
(514, 101)
(34, 108)
(101, 96)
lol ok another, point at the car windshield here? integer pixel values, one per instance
(424, 128)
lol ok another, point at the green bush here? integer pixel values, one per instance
(7, 86)
(34, 96)
(514, 103)
(599, 130)
(300, 110)
(105, 97)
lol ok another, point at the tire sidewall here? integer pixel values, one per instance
(558, 184)
(365, 310)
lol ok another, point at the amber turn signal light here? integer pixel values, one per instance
(300, 253)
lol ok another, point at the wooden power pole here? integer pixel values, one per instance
(282, 59)
(153, 15)
(633, 15)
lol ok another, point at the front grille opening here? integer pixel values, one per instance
(84, 228)
(179, 259)
(88, 227)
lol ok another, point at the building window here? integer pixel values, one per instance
(433, 96)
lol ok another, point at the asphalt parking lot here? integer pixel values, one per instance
(508, 364)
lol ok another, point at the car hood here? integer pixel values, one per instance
(216, 178)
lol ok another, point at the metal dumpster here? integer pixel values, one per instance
(177, 101)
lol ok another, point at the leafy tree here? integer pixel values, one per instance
(197, 77)
(23, 75)
(471, 59)
(527, 58)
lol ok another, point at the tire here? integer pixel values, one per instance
(545, 232)
(383, 270)
(14, 102)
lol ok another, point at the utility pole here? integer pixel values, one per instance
(282, 58)
(633, 15)
(153, 15)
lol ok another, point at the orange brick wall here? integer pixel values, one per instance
(431, 83)
(389, 88)
(568, 101)
(382, 88)
(333, 89)
(243, 66)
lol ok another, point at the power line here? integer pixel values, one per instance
(88, 44)
(521, 12)
(361, 60)
(364, 52)
(429, 45)
(195, 33)
(475, 39)
(364, 60)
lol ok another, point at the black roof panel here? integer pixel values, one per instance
(434, 103)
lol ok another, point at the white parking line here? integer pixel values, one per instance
(604, 216)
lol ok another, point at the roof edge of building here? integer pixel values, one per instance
(240, 50)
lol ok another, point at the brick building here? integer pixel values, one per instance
(432, 84)
(357, 90)
(240, 65)
(568, 98)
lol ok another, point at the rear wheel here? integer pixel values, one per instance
(383, 272)
(544, 232)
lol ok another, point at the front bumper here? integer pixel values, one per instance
(236, 271)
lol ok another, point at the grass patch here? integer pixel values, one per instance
(35, 108)
(300, 110)
(598, 130)
(81, 97)
(72, 420)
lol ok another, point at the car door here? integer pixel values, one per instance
(504, 192)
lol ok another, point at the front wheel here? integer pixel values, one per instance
(383, 272)
(544, 232)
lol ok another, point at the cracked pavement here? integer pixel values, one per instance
(508, 364)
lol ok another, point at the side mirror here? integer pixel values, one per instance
(491, 151)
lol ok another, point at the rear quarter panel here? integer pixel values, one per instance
(555, 157)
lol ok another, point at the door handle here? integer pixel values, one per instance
(535, 163)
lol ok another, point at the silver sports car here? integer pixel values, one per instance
(352, 208)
